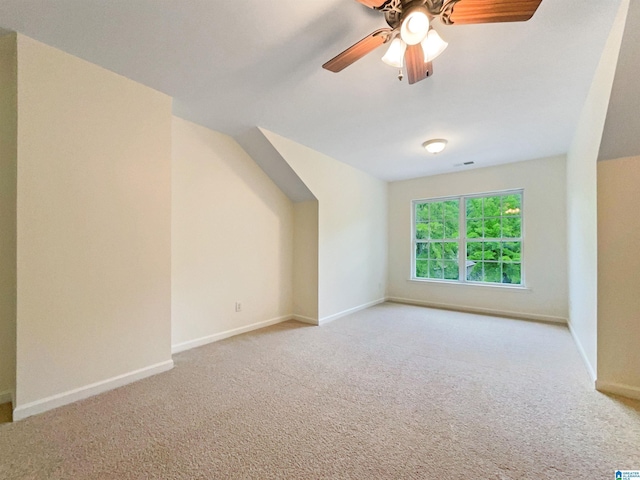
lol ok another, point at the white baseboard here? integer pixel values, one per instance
(583, 354)
(6, 397)
(216, 337)
(303, 319)
(55, 401)
(480, 310)
(618, 389)
(349, 311)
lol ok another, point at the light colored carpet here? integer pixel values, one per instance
(392, 392)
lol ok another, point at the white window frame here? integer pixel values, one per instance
(462, 239)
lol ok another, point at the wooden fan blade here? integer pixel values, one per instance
(357, 51)
(429, 68)
(491, 11)
(416, 67)
(372, 3)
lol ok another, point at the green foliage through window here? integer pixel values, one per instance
(492, 239)
(437, 233)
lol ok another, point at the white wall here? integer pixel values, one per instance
(93, 228)
(232, 234)
(619, 276)
(544, 256)
(582, 200)
(8, 153)
(305, 261)
(352, 212)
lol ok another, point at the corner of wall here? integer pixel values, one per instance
(352, 206)
(223, 201)
(582, 197)
(305, 261)
(8, 198)
(618, 265)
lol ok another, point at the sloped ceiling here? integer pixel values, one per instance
(501, 93)
(275, 166)
(621, 137)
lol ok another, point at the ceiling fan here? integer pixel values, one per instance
(414, 42)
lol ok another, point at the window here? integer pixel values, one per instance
(437, 246)
(469, 239)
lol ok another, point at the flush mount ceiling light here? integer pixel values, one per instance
(414, 43)
(435, 146)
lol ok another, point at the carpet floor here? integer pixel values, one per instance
(391, 392)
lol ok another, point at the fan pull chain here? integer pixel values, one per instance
(400, 75)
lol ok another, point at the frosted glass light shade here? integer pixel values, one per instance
(415, 26)
(433, 46)
(395, 53)
(435, 146)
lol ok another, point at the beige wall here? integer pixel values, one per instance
(305, 261)
(352, 226)
(8, 153)
(544, 227)
(619, 276)
(232, 234)
(582, 200)
(93, 226)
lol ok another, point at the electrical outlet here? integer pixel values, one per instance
(238, 307)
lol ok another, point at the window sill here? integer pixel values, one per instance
(515, 288)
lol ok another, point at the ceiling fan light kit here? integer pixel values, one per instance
(414, 43)
(433, 46)
(395, 54)
(415, 25)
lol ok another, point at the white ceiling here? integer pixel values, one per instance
(500, 93)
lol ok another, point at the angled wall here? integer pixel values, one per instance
(582, 200)
(620, 138)
(93, 229)
(8, 156)
(352, 229)
(305, 229)
(618, 224)
(232, 240)
(254, 142)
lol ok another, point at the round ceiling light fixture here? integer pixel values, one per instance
(415, 25)
(435, 146)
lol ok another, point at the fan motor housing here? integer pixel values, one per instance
(394, 10)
